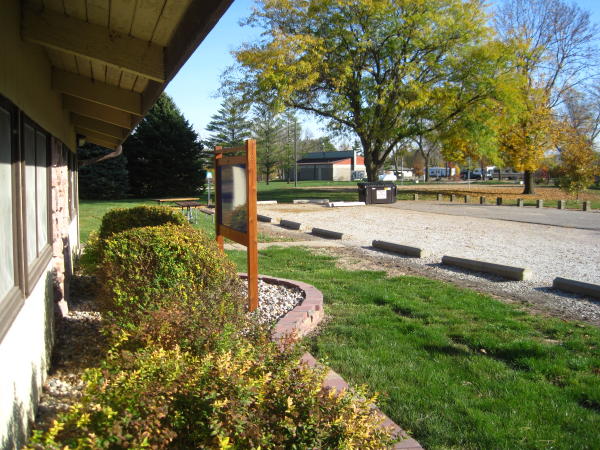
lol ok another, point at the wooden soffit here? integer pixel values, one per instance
(111, 60)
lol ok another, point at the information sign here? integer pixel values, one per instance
(235, 205)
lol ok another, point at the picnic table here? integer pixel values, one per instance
(190, 205)
(173, 200)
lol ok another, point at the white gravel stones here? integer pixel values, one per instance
(274, 301)
(548, 251)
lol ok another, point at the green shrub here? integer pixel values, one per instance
(91, 254)
(121, 219)
(169, 281)
(240, 396)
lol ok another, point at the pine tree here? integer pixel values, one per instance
(268, 128)
(291, 138)
(164, 155)
(106, 179)
(229, 127)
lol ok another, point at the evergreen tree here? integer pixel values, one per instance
(106, 179)
(230, 126)
(291, 138)
(268, 128)
(164, 155)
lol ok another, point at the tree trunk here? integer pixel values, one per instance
(528, 181)
(426, 166)
(371, 167)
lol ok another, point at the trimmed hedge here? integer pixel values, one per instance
(155, 276)
(240, 396)
(121, 219)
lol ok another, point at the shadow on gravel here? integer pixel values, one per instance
(383, 252)
(569, 295)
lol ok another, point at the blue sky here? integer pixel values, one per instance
(194, 89)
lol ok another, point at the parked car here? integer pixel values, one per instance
(387, 177)
(471, 175)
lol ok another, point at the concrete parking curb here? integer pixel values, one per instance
(263, 218)
(399, 248)
(512, 273)
(266, 202)
(338, 204)
(328, 234)
(318, 201)
(290, 224)
(576, 287)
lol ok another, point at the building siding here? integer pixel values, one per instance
(25, 77)
(25, 347)
(25, 354)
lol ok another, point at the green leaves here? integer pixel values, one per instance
(164, 155)
(375, 68)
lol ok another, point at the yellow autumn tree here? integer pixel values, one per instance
(525, 138)
(578, 161)
(386, 70)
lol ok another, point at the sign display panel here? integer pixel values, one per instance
(233, 212)
(235, 206)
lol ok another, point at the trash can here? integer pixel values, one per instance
(377, 192)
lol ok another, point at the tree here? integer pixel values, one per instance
(427, 148)
(558, 52)
(106, 179)
(582, 112)
(578, 162)
(474, 136)
(164, 155)
(268, 128)
(369, 67)
(230, 127)
(291, 137)
(418, 165)
(526, 138)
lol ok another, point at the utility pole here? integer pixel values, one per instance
(469, 171)
(402, 169)
(287, 128)
(295, 157)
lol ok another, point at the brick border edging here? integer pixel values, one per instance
(336, 382)
(304, 318)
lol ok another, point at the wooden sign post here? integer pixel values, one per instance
(235, 205)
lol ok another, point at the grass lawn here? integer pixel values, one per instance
(91, 212)
(456, 368)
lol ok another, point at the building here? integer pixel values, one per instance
(331, 166)
(70, 70)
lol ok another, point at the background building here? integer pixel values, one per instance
(331, 166)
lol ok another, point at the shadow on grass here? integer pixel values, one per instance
(484, 275)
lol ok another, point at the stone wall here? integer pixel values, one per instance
(61, 220)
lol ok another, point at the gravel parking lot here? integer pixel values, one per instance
(549, 251)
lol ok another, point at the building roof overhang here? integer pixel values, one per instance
(111, 60)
